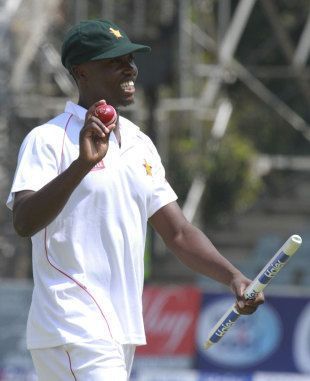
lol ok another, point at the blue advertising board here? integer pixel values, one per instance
(272, 344)
(276, 338)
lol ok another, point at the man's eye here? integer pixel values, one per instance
(119, 60)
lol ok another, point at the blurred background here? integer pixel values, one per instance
(225, 97)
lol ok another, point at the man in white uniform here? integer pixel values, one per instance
(84, 193)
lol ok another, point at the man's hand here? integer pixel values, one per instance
(244, 306)
(94, 137)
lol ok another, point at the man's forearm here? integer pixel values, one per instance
(197, 252)
(33, 211)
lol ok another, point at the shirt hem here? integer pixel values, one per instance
(164, 202)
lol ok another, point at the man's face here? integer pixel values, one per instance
(111, 79)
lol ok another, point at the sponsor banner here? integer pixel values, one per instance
(276, 338)
(170, 317)
(187, 375)
(162, 362)
(301, 340)
(165, 375)
(172, 375)
(262, 376)
(178, 320)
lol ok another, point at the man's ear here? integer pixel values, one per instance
(79, 72)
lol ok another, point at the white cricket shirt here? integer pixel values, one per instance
(88, 263)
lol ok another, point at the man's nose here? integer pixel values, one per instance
(130, 68)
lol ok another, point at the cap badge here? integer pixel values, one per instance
(115, 32)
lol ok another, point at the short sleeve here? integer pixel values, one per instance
(36, 164)
(162, 193)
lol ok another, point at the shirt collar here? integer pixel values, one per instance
(76, 110)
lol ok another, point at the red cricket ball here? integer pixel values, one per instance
(106, 113)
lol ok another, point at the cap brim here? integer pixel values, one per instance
(122, 50)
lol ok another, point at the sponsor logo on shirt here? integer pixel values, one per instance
(98, 166)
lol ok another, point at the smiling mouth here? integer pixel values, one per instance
(128, 87)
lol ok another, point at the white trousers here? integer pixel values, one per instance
(99, 360)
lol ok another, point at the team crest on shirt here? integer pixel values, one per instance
(148, 168)
(98, 166)
(116, 33)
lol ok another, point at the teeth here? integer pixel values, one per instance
(124, 85)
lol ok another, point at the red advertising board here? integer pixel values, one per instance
(170, 317)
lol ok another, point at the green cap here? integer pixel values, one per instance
(93, 40)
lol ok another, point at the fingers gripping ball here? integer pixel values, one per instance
(106, 113)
